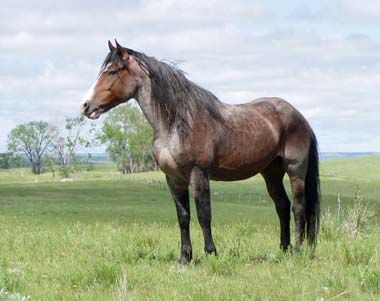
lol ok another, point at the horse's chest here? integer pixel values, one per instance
(165, 160)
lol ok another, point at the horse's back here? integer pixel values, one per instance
(277, 107)
(296, 131)
(268, 112)
(282, 112)
(257, 133)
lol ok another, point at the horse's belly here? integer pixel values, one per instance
(242, 172)
(221, 174)
(240, 167)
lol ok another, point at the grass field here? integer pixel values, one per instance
(104, 236)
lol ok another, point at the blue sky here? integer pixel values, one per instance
(322, 56)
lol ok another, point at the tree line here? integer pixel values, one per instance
(45, 147)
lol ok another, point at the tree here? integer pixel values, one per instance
(140, 136)
(66, 143)
(128, 137)
(10, 160)
(50, 165)
(32, 139)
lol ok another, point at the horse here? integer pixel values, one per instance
(198, 138)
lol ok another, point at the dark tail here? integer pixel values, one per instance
(312, 191)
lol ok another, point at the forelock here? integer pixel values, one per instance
(112, 58)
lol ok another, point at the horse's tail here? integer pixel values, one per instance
(312, 191)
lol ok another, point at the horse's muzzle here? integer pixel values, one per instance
(90, 110)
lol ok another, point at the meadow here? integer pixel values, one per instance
(106, 236)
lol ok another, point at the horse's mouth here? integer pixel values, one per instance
(95, 114)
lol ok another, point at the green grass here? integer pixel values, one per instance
(104, 233)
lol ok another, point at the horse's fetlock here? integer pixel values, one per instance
(210, 249)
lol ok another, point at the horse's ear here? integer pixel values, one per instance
(121, 51)
(118, 46)
(110, 46)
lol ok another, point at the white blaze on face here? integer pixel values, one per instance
(90, 93)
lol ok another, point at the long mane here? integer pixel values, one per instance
(176, 98)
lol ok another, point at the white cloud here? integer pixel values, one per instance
(49, 56)
(339, 11)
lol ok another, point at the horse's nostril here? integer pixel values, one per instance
(85, 106)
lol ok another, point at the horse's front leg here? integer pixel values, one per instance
(180, 193)
(201, 189)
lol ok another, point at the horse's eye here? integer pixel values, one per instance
(112, 72)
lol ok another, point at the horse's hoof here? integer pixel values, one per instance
(211, 250)
(184, 260)
(287, 249)
(297, 248)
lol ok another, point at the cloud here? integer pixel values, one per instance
(341, 11)
(50, 55)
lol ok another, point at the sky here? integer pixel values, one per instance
(321, 56)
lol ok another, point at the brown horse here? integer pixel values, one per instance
(197, 138)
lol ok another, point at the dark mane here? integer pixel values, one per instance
(177, 98)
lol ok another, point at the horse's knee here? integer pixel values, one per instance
(184, 220)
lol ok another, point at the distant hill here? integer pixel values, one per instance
(96, 157)
(100, 158)
(337, 155)
(103, 157)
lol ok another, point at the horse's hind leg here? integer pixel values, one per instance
(301, 158)
(297, 174)
(273, 176)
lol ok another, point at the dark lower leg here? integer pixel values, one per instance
(273, 179)
(181, 199)
(283, 212)
(204, 217)
(183, 214)
(299, 210)
(299, 219)
(201, 189)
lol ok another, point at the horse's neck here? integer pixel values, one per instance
(147, 105)
(146, 102)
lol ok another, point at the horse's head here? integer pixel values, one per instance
(118, 81)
